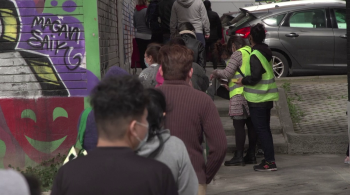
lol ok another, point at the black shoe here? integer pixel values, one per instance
(237, 160)
(250, 158)
(260, 153)
(265, 166)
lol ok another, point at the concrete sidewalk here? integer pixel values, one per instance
(297, 174)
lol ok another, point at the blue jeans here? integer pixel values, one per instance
(261, 121)
(201, 38)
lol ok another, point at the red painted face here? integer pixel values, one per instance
(43, 127)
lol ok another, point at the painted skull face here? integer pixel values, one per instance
(43, 127)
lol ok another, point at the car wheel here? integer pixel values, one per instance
(280, 65)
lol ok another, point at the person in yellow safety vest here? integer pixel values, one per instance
(238, 54)
(260, 91)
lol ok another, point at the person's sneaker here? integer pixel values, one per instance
(347, 160)
(265, 166)
(260, 153)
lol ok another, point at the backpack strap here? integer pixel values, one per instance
(82, 128)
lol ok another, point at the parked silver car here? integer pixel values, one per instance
(302, 37)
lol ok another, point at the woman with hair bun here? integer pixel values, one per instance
(260, 91)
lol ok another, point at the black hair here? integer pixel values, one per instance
(237, 41)
(207, 5)
(258, 33)
(153, 50)
(186, 26)
(155, 118)
(177, 41)
(224, 51)
(117, 100)
(34, 184)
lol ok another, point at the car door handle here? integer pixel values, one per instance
(344, 36)
(292, 35)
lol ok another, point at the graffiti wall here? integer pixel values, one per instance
(45, 74)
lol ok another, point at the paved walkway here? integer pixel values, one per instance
(323, 103)
(297, 174)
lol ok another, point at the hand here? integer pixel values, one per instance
(212, 77)
(226, 86)
(239, 81)
(207, 36)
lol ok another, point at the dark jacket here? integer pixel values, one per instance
(197, 47)
(200, 80)
(257, 71)
(165, 7)
(215, 26)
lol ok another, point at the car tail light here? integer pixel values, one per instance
(243, 32)
(227, 31)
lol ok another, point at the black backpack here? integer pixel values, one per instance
(152, 16)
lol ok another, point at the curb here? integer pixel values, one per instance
(312, 77)
(307, 143)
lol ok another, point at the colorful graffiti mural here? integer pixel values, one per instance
(43, 77)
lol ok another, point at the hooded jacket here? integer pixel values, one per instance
(257, 71)
(192, 11)
(174, 155)
(197, 47)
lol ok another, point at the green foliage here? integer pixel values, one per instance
(45, 171)
(295, 112)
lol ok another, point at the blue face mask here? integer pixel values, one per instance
(147, 65)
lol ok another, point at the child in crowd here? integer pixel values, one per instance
(148, 76)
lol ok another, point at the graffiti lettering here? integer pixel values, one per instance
(50, 42)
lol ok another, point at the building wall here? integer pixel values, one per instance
(49, 62)
(107, 16)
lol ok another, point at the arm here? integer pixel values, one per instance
(134, 21)
(257, 71)
(187, 181)
(215, 137)
(201, 55)
(173, 21)
(231, 68)
(168, 182)
(205, 20)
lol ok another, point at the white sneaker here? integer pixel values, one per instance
(347, 160)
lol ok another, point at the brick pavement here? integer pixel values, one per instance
(323, 105)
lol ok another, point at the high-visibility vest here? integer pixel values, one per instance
(266, 90)
(234, 88)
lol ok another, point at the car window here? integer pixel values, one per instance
(274, 20)
(340, 16)
(308, 19)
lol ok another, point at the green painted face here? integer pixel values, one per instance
(45, 146)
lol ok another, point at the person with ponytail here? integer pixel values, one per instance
(165, 148)
(236, 55)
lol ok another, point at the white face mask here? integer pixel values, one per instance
(142, 142)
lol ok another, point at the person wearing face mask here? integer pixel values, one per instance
(237, 58)
(120, 109)
(165, 148)
(260, 90)
(148, 76)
